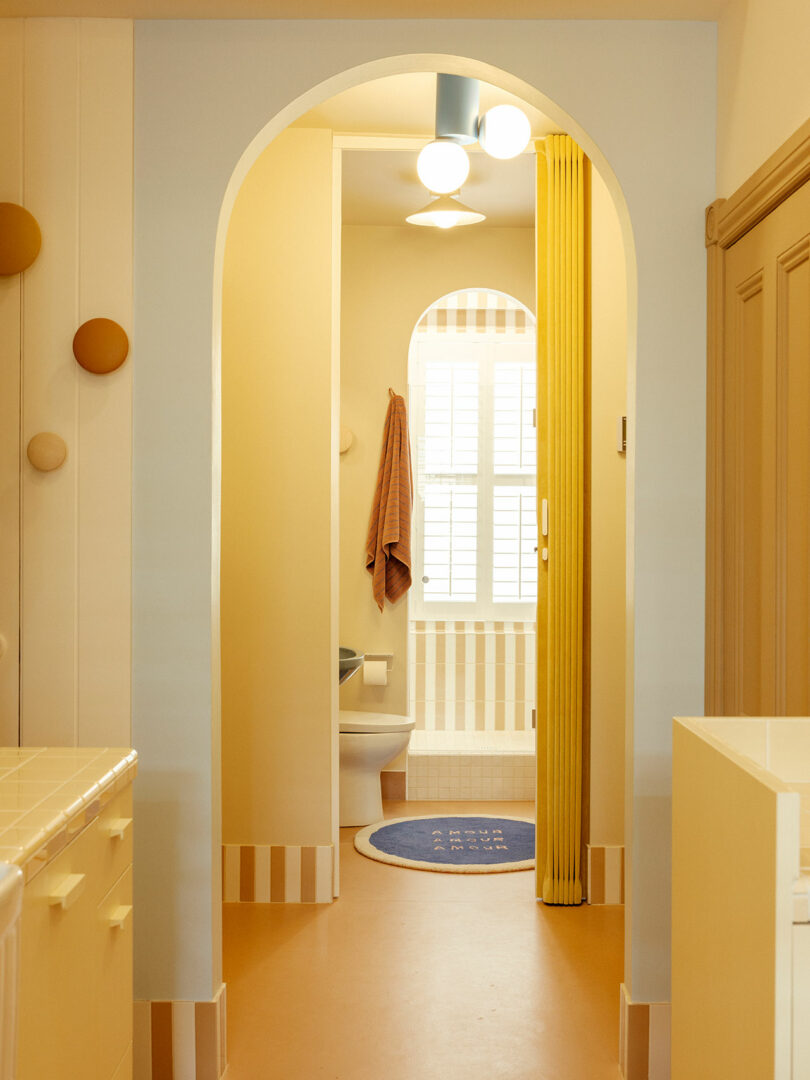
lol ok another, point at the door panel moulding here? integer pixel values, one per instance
(727, 221)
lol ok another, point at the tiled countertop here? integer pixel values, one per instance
(49, 794)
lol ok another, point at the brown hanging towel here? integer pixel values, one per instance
(388, 548)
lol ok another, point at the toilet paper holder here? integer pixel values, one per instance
(387, 656)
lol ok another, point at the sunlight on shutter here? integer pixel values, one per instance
(451, 417)
(451, 531)
(514, 541)
(513, 431)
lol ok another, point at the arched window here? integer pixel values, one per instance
(472, 377)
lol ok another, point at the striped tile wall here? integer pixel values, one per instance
(472, 675)
(277, 874)
(180, 1040)
(644, 1038)
(476, 311)
(606, 874)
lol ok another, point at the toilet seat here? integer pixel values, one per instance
(371, 723)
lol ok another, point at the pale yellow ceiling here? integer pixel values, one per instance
(380, 187)
(404, 105)
(369, 9)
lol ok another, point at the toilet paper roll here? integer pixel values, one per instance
(375, 673)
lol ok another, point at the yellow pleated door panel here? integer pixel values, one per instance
(563, 356)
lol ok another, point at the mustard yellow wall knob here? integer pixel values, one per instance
(20, 238)
(47, 451)
(100, 346)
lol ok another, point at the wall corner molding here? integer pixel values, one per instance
(277, 873)
(181, 1038)
(644, 1038)
(605, 874)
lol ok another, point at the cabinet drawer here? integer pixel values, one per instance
(114, 828)
(114, 974)
(57, 983)
(75, 1003)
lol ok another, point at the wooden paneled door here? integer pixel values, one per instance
(758, 566)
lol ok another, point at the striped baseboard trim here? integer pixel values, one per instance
(277, 874)
(606, 874)
(174, 1039)
(644, 1038)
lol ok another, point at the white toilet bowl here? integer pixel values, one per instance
(368, 741)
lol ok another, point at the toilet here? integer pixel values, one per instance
(368, 742)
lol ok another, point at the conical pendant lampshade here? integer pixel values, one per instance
(445, 212)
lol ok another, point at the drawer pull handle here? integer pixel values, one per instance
(118, 916)
(117, 827)
(68, 891)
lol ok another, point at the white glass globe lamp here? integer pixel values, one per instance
(504, 131)
(443, 166)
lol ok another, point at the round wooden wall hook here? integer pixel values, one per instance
(20, 238)
(47, 451)
(100, 346)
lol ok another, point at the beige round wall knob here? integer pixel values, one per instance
(100, 346)
(20, 238)
(47, 451)
(346, 439)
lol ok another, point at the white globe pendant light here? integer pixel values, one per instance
(504, 131)
(443, 166)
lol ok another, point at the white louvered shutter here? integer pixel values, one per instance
(475, 533)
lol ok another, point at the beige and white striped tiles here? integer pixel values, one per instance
(476, 311)
(180, 1040)
(472, 675)
(644, 1038)
(277, 874)
(606, 874)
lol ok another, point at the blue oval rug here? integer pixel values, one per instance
(455, 844)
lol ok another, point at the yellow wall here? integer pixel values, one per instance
(609, 402)
(279, 648)
(763, 86)
(390, 276)
(65, 560)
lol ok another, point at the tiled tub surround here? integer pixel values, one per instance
(471, 765)
(66, 820)
(472, 675)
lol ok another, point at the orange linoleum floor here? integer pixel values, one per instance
(413, 975)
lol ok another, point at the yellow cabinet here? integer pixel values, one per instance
(76, 964)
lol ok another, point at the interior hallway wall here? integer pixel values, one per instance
(390, 276)
(639, 95)
(608, 516)
(763, 87)
(65, 561)
(279, 656)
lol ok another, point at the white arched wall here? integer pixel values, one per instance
(640, 98)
